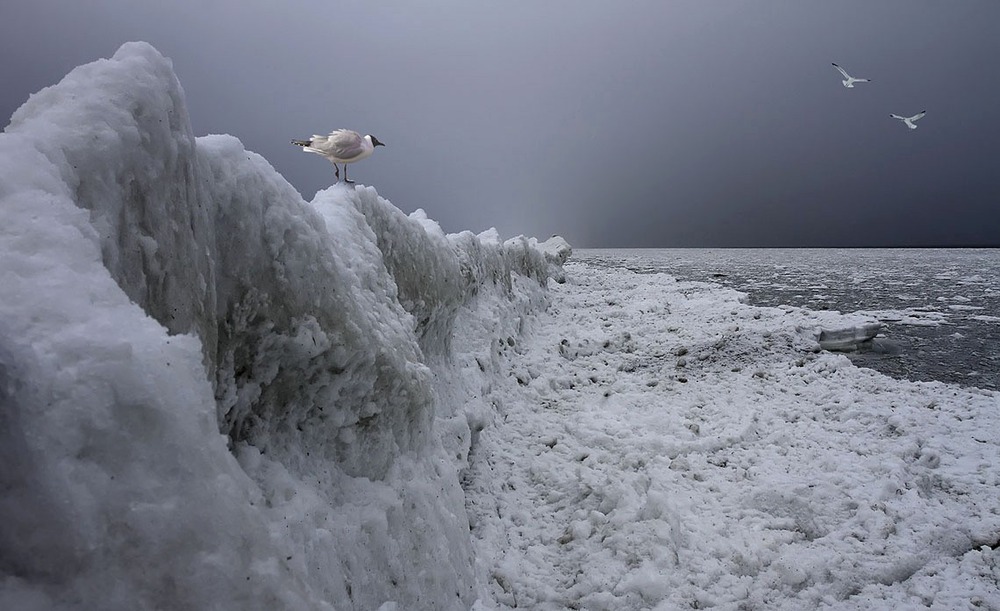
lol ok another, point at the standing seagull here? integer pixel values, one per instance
(909, 121)
(341, 146)
(849, 83)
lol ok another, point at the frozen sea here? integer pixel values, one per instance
(940, 308)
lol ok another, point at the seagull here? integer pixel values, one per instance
(910, 120)
(849, 83)
(341, 146)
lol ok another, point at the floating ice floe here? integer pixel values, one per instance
(848, 338)
(910, 316)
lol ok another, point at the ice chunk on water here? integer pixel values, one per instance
(846, 339)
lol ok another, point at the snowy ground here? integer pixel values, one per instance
(662, 445)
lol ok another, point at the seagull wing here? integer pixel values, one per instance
(918, 115)
(344, 144)
(898, 117)
(842, 71)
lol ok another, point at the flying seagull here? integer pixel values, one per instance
(849, 83)
(909, 121)
(341, 146)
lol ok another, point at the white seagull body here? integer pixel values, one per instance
(341, 146)
(909, 121)
(850, 80)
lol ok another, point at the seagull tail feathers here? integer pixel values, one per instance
(301, 142)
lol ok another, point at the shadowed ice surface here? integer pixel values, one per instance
(940, 308)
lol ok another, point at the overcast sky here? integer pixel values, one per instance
(614, 124)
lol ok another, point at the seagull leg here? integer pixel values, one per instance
(336, 172)
(350, 182)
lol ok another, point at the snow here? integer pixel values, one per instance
(214, 394)
(666, 446)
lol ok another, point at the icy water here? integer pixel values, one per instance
(940, 308)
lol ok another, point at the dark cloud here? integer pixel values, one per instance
(648, 124)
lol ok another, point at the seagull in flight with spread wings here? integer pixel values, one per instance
(850, 80)
(341, 146)
(909, 121)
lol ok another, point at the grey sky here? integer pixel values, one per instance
(682, 123)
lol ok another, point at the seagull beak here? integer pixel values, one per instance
(375, 142)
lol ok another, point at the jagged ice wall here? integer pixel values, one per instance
(214, 394)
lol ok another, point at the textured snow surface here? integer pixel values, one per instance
(665, 446)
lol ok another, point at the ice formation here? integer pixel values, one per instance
(849, 337)
(218, 395)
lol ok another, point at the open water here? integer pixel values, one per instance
(940, 308)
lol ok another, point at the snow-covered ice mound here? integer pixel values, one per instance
(215, 394)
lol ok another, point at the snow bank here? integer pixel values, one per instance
(215, 394)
